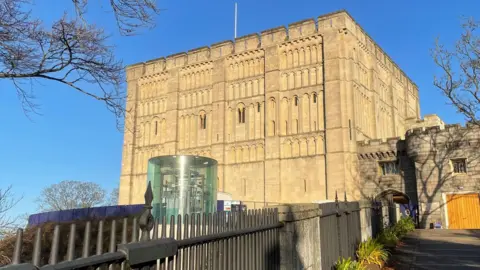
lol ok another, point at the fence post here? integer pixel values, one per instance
(145, 221)
(367, 215)
(339, 229)
(299, 238)
(349, 248)
(146, 218)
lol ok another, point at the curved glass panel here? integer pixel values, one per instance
(182, 185)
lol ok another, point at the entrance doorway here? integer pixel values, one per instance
(463, 211)
(397, 202)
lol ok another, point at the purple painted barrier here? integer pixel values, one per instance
(94, 213)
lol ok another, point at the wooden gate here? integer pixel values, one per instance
(463, 211)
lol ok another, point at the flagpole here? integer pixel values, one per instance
(235, 31)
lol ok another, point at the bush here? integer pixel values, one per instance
(388, 237)
(404, 226)
(371, 252)
(348, 264)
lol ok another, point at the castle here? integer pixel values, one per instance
(291, 115)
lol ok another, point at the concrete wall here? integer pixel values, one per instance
(314, 236)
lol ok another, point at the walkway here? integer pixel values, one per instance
(439, 249)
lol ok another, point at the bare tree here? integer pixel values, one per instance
(73, 52)
(8, 222)
(71, 195)
(113, 198)
(460, 68)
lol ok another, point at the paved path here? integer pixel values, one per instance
(439, 249)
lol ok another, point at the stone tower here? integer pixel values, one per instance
(281, 111)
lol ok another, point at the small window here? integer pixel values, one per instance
(241, 115)
(389, 167)
(296, 101)
(156, 127)
(314, 98)
(258, 107)
(203, 121)
(459, 165)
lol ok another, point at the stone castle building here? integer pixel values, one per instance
(281, 111)
(296, 115)
(436, 166)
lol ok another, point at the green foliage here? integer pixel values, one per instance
(371, 252)
(388, 237)
(348, 264)
(404, 226)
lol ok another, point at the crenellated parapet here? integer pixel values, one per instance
(381, 149)
(423, 141)
(309, 30)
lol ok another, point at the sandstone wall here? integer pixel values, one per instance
(280, 111)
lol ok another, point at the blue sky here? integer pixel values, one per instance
(75, 138)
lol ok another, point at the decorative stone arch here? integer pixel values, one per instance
(241, 112)
(231, 155)
(246, 153)
(284, 81)
(303, 144)
(271, 112)
(284, 116)
(260, 151)
(155, 130)
(314, 97)
(253, 152)
(295, 148)
(393, 196)
(202, 119)
(393, 199)
(163, 129)
(287, 148)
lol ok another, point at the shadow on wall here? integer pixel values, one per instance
(445, 161)
(286, 255)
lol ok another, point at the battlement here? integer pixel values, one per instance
(381, 148)
(441, 128)
(339, 20)
(377, 142)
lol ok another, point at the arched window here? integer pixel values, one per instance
(314, 98)
(203, 120)
(271, 128)
(296, 100)
(241, 115)
(258, 107)
(156, 127)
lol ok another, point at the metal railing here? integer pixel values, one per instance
(222, 240)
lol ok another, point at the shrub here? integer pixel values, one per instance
(348, 264)
(388, 237)
(404, 226)
(371, 252)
